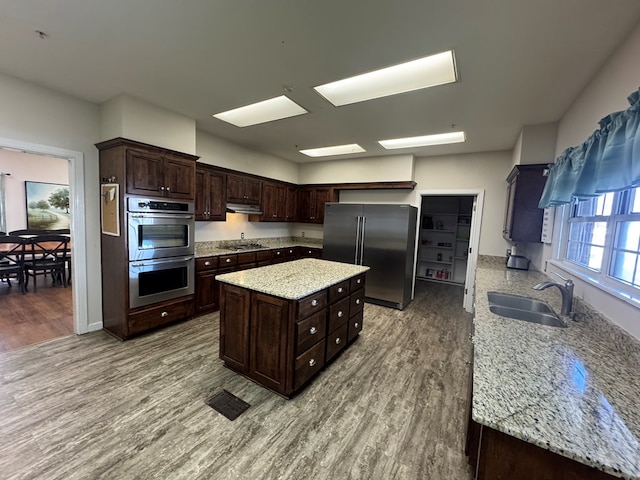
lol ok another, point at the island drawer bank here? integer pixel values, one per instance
(547, 402)
(281, 324)
(212, 261)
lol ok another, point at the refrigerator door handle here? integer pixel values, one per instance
(355, 260)
(362, 230)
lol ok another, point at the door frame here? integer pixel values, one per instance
(474, 237)
(78, 225)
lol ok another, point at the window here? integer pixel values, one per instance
(604, 236)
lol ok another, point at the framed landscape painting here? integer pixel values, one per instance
(47, 206)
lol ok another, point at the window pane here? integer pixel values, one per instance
(588, 232)
(635, 200)
(586, 255)
(625, 267)
(628, 236)
(601, 205)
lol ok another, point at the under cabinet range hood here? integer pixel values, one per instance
(241, 208)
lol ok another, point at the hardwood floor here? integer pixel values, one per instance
(390, 407)
(34, 317)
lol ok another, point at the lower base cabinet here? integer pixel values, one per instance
(281, 344)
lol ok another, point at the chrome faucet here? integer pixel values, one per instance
(566, 290)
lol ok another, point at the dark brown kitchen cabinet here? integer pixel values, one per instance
(291, 204)
(244, 189)
(156, 173)
(523, 219)
(274, 202)
(210, 204)
(280, 343)
(311, 201)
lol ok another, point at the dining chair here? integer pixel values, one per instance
(28, 232)
(46, 254)
(12, 260)
(67, 232)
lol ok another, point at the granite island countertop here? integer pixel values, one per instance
(293, 280)
(573, 391)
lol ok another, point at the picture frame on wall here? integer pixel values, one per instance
(47, 206)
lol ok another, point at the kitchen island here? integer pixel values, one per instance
(548, 399)
(281, 324)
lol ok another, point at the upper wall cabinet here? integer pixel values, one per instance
(523, 219)
(274, 202)
(211, 189)
(243, 189)
(149, 170)
(311, 201)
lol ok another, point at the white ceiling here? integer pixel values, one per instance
(519, 62)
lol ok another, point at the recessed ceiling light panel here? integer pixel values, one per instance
(262, 112)
(335, 150)
(424, 140)
(424, 72)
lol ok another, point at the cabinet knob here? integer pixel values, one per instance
(312, 362)
(358, 281)
(340, 289)
(290, 251)
(277, 253)
(274, 215)
(228, 260)
(338, 341)
(340, 314)
(164, 314)
(162, 188)
(356, 324)
(207, 263)
(314, 303)
(168, 189)
(357, 301)
(313, 330)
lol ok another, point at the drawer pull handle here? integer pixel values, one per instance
(207, 263)
(312, 362)
(359, 281)
(277, 253)
(356, 324)
(313, 330)
(340, 289)
(164, 314)
(314, 303)
(340, 314)
(338, 341)
(228, 260)
(357, 301)
(290, 251)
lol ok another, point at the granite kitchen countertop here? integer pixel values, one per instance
(293, 280)
(571, 390)
(225, 247)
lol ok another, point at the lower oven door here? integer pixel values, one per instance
(158, 280)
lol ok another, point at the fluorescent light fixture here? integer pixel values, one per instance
(261, 112)
(423, 141)
(335, 150)
(425, 72)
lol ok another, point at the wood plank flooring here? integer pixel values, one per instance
(36, 316)
(390, 407)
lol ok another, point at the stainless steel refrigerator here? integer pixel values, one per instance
(382, 237)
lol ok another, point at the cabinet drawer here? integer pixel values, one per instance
(228, 260)
(278, 255)
(246, 258)
(310, 331)
(154, 317)
(262, 255)
(355, 326)
(338, 291)
(357, 302)
(336, 341)
(308, 364)
(290, 252)
(357, 282)
(206, 263)
(338, 314)
(312, 304)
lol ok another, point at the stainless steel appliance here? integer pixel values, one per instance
(382, 237)
(158, 280)
(159, 229)
(161, 250)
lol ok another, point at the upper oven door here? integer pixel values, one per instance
(160, 235)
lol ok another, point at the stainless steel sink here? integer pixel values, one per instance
(523, 308)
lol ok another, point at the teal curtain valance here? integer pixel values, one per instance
(608, 160)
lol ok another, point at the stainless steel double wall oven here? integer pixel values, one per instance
(161, 250)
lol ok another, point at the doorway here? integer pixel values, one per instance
(75, 161)
(448, 239)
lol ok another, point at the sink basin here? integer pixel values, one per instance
(523, 308)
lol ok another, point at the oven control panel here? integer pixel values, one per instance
(149, 205)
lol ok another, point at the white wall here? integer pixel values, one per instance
(26, 167)
(129, 117)
(486, 171)
(392, 168)
(606, 93)
(36, 115)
